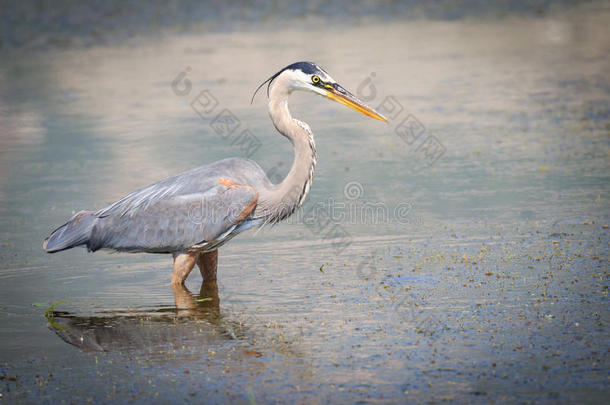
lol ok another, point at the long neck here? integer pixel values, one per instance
(281, 200)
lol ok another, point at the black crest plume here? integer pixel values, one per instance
(305, 67)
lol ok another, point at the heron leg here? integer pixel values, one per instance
(189, 305)
(183, 264)
(183, 298)
(208, 262)
(209, 290)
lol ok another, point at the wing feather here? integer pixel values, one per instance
(179, 212)
(174, 223)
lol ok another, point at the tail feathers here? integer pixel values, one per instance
(73, 233)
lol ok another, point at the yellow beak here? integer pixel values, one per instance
(340, 95)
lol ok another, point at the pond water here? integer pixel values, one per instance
(459, 252)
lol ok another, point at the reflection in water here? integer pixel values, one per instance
(196, 318)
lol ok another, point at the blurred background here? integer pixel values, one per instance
(457, 253)
(67, 23)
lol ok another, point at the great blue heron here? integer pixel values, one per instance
(193, 213)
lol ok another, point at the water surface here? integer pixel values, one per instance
(464, 258)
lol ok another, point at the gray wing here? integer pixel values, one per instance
(177, 213)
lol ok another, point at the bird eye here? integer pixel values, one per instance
(315, 79)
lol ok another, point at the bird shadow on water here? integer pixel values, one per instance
(195, 320)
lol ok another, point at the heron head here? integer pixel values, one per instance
(308, 76)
